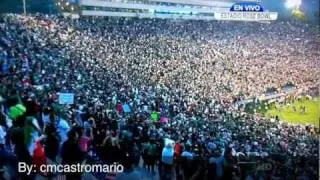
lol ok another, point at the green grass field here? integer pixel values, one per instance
(286, 112)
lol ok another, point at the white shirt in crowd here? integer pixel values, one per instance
(45, 119)
(63, 129)
(2, 135)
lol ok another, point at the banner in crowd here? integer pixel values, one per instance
(268, 97)
(66, 98)
(164, 120)
(155, 116)
(271, 96)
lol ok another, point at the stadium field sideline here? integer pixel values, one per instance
(286, 112)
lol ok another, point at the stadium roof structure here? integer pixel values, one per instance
(208, 3)
(175, 9)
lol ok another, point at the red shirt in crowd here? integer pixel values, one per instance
(119, 108)
(177, 149)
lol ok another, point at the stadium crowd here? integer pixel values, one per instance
(162, 90)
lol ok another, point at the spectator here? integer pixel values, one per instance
(52, 142)
(167, 161)
(127, 74)
(71, 153)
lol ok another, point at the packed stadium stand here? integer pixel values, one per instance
(128, 93)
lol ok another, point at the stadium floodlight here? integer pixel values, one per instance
(293, 3)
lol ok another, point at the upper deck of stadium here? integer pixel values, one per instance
(192, 9)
